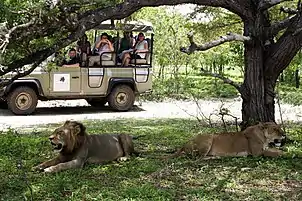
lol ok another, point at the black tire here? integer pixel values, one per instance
(121, 98)
(22, 101)
(97, 102)
(3, 104)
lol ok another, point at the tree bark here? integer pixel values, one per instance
(257, 90)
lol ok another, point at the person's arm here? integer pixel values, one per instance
(110, 46)
(99, 44)
(72, 65)
(88, 48)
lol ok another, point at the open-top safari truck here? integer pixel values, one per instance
(99, 82)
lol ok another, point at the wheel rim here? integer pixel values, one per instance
(122, 98)
(23, 101)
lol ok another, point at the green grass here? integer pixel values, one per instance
(146, 177)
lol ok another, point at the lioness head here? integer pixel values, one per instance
(67, 137)
(273, 133)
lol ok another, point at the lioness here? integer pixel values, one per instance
(76, 147)
(254, 141)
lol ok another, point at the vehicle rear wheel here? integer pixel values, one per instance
(22, 101)
(3, 104)
(97, 102)
(121, 98)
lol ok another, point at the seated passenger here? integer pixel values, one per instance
(101, 46)
(83, 45)
(105, 45)
(126, 43)
(73, 60)
(141, 46)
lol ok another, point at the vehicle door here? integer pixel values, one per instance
(65, 81)
(93, 80)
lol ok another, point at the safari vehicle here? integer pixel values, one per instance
(102, 82)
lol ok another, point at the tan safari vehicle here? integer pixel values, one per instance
(98, 83)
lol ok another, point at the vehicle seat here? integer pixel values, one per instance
(145, 61)
(95, 60)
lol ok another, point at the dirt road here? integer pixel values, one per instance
(50, 112)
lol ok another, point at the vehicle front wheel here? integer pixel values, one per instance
(22, 101)
(97, 102)
(121, 98)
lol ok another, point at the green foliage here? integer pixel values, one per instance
(147, 177)
(187, 87)
(290, 94)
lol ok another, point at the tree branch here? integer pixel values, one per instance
(5, 33)
(223, 39)
(283, 51)
(266, 4)
(224, 79)
(24, 73)
(289, 11)
(275, 28)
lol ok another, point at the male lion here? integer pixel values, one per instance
(76, 147)
(254, 140)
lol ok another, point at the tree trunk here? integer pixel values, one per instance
(257, 91)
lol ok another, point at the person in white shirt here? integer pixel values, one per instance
(140, 47)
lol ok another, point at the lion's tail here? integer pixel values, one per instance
(177, 153)
(136, 137)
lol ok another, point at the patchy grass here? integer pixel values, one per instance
(147, 177)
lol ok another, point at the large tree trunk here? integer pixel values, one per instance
(257, 91)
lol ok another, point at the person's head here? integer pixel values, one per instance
(126, 34)
(72, 53)
(140, 36)
(104, 36)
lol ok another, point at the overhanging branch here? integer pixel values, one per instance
(223, 39)
(289, 11)
(224, 79)
(5, 34)
(279, 26)
(23, 73)
(266, 4)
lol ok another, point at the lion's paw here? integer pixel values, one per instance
(122, 159)
(49, 169)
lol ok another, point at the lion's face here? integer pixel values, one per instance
(273, 133)
(66, 137)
